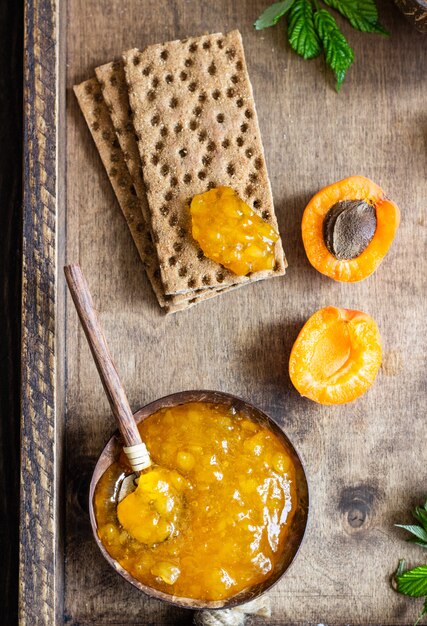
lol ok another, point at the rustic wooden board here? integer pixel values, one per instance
(366, 461)
(41, 557)
(11, 139)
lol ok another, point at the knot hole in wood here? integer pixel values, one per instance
(357, 505)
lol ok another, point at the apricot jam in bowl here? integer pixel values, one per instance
(242, 493)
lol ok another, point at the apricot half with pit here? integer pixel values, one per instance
(336, 356)
(348, 228)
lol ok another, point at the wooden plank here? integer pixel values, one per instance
(364, 460)
(40, 528)
(11, 57)
(362, 476)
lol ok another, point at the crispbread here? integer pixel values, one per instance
(196, 124)
(97, 117)
(96, 114)
(111, 77)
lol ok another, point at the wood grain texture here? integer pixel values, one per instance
(365, 461)
(11, 53)
(40, 528)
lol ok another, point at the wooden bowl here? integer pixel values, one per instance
(111, 453)
(415, 12)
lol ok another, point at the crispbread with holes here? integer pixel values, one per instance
(100, 125)
(97, 117)
(196, 124)
(111, 77)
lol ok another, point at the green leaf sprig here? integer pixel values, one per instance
(312, 29)
(413, 582)
(419, 532)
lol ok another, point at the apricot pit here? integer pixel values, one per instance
(348, 228)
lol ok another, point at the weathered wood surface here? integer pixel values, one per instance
(41, 559)
(11, 51)
(365, 461)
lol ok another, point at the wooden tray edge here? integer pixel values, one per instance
(40, 568)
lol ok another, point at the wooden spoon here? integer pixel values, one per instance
(135, 449)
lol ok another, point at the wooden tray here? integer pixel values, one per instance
(366, 461)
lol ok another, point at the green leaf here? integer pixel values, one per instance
(419, 532)
(417, 542)
(362, 14)
(301, 32)
(413, 582)
(420, 515)
(415, 530)
(272, 14)
(339, 55)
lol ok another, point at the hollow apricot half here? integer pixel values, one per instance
(336, 356)
(360, 221)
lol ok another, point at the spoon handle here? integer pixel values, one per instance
(135, 448)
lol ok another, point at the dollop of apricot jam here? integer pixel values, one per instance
(151, 513)
(230, 233)
(233, 482)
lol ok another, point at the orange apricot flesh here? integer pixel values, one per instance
(336, 356)
(353, 188)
